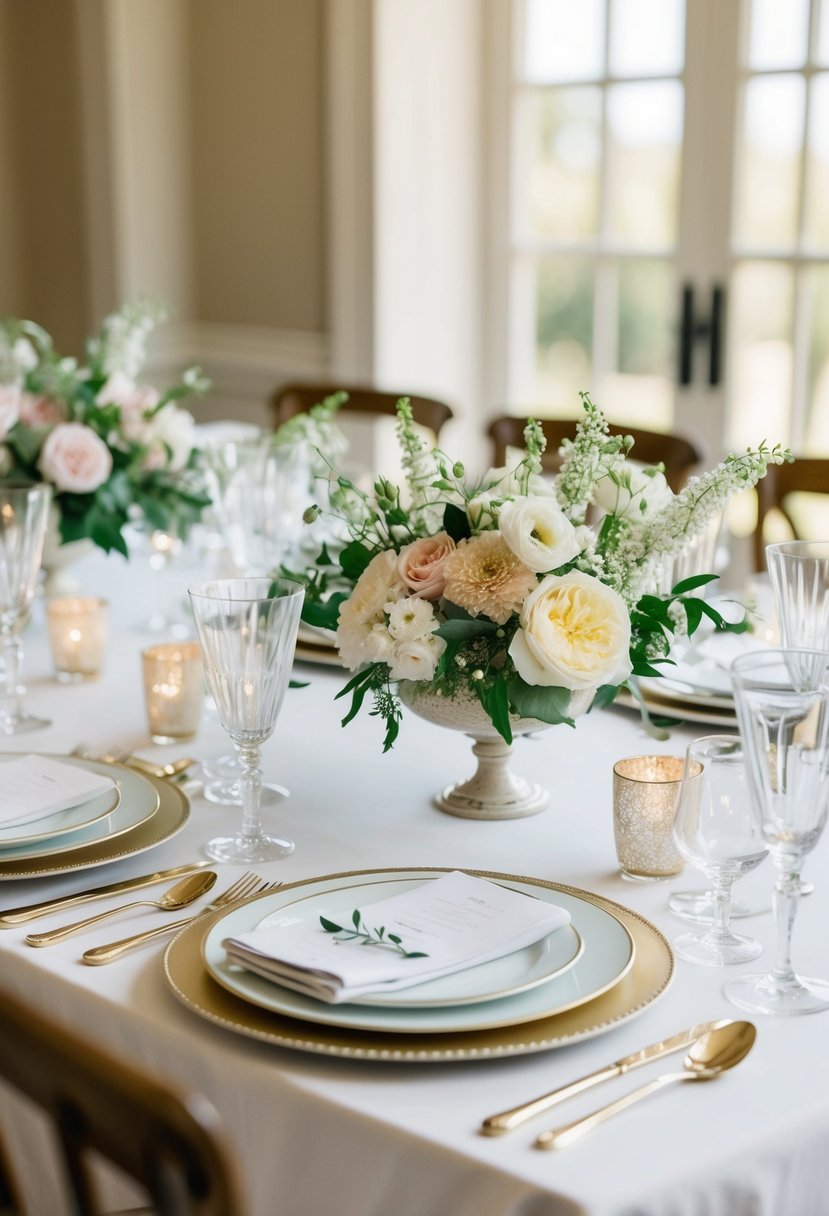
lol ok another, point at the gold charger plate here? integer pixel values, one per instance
(316, 652)
(170, 817)
(646, 981)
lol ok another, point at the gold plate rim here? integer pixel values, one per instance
(322, 656)
(170, 816)
(649, 978)
(678, 710)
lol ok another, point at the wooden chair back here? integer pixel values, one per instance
(294, 399)
(168, 1142)
(678, 454)
(807, 476)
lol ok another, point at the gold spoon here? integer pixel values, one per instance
(710, 1056)
(177, 896)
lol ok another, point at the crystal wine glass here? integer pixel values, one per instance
(782, 699)
(24, 515)
(258, 492)
(715, 830)
(247, 628)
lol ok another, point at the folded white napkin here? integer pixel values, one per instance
(439, 927)
(36, 786)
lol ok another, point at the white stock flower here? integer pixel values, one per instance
(9, 408)
(410, 619)
(538, 533)
(640, 494)
(378, 585)
(574, 633)
(416, 660)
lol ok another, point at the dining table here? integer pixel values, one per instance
(320, 1131)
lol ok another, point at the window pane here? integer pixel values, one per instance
(817, 437)
(644, 138)
(779, 33)
(640, 393)
(647, 37)
(822, 49)
(817, 176)
(563, 41)
(762, 297)
(564, 333)
(769, 162)
(559, 148)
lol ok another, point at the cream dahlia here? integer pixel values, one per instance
(485, 577)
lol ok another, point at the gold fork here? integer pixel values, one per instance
(248, 885)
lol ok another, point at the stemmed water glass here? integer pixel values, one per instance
(715, 830)
(247, 629)
(24, 515)
(782, 699)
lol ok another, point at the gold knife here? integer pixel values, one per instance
(19, 916)
(506, 1121)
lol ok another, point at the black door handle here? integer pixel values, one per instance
(692, 331)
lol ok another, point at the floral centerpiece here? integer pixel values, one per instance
(532, 599)
(109, 445)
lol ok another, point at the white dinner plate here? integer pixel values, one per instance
(672, 688)
(517, 972)
(682, 711)
(61, 822)
(138, 801)
(608, 956)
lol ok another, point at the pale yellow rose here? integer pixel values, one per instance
(538, 533)
(574, 633)
(377, 586)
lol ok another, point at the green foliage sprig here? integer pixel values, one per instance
(359, 931)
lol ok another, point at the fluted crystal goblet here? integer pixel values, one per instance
(247, 628)
(24, 516)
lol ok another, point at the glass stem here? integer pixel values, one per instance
(721, 898)
(12, 651)
(786, 895)
(251, 783)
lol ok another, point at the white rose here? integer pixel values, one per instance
(642, 493)
(379, 646)
(170, 435)
(378, 585)
(9, 408)
(75, 459)
(410, 619)
(416, 660)
(574, 633)
(538, 533)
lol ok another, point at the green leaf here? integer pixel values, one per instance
(693, 612)
(329, 926)
(690, 584)
(355, 918)
(535, 701)
(394, 938)
(497, 706)
(641, 667)
(462, 631)
(362, 677)
(324, 615)
(455, 522)
(298, 683)
(392, 731)
(454, 612)
(415, 954)
(354, 559)
(359, 695)
(605, 696)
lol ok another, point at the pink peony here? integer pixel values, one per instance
(39, 410)
(420, 565)
(74, 458)
(9, 408)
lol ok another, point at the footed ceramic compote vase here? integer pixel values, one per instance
(494, 791)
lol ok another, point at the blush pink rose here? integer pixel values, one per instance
(74, 458)
(420, 565)
(39, 410)
(9, 408)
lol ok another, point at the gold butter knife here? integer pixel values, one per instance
(19, 916)
(508, 1120)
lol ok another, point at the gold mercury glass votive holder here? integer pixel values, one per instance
(173, 689)
(645, 790)
(77, 636)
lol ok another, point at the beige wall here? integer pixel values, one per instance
(256, 114)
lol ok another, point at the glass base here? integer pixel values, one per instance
(21, 724)
(247, 850)
(761, 994)
(708, 952)
(697, 906)
(630, 876)
(227, 793)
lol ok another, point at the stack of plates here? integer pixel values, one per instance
(317, 646)
(138, 813)
(603, 968)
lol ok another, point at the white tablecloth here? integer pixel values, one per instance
(318, 1136)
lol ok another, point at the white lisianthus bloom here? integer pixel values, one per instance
(416, 660)
(410, 619)
(378, 585)
(379, 644)
(538, 533)
(574, 633)
(641, 494)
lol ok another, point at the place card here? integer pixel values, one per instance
(440, 927)
(33, 787)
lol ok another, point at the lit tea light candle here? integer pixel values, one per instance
(645, 790)
(174, 690)
(77, 636)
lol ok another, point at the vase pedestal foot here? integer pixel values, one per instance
(493, 792)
